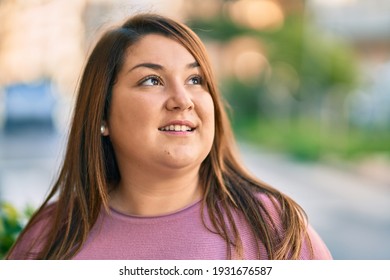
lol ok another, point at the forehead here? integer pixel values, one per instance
(158, 49)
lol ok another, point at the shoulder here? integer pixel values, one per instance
(313, 247)
(320, 250)
(271, 207)
(33, 237)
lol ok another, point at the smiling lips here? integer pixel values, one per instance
(178, 126)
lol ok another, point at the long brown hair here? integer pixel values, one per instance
(90, 169)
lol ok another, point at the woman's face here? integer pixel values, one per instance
(161, 114)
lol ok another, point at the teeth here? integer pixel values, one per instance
(176, 127)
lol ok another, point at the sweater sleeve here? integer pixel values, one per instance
(318, 247)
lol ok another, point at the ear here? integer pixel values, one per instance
(104, 129)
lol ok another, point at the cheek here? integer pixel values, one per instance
(208, 112)
(127, 127)
(210, 108)
(123, 118)
(122, 114)
(130, 110)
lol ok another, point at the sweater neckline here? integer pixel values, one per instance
(175, 214)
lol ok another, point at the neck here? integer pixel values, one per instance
(146, 195)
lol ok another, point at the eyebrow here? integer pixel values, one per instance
(155, 66)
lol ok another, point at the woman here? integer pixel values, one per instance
(150, 170)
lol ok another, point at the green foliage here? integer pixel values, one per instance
(11, 224)
(305, 140)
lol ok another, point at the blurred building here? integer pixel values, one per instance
(49, 38)
(41, 42)
(356, 20)
(41, 39)
(365, 25)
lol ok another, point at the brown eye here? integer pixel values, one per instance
(151, 81)
(196, 80)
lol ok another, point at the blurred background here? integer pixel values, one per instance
(308, 83)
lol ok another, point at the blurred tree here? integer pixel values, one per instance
(11, 224)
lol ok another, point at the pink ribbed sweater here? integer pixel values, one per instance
(179, 235)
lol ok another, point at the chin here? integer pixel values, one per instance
(182, 161)
(182, 158)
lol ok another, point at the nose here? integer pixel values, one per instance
(179, 99)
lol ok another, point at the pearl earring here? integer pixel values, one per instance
(102, 129)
